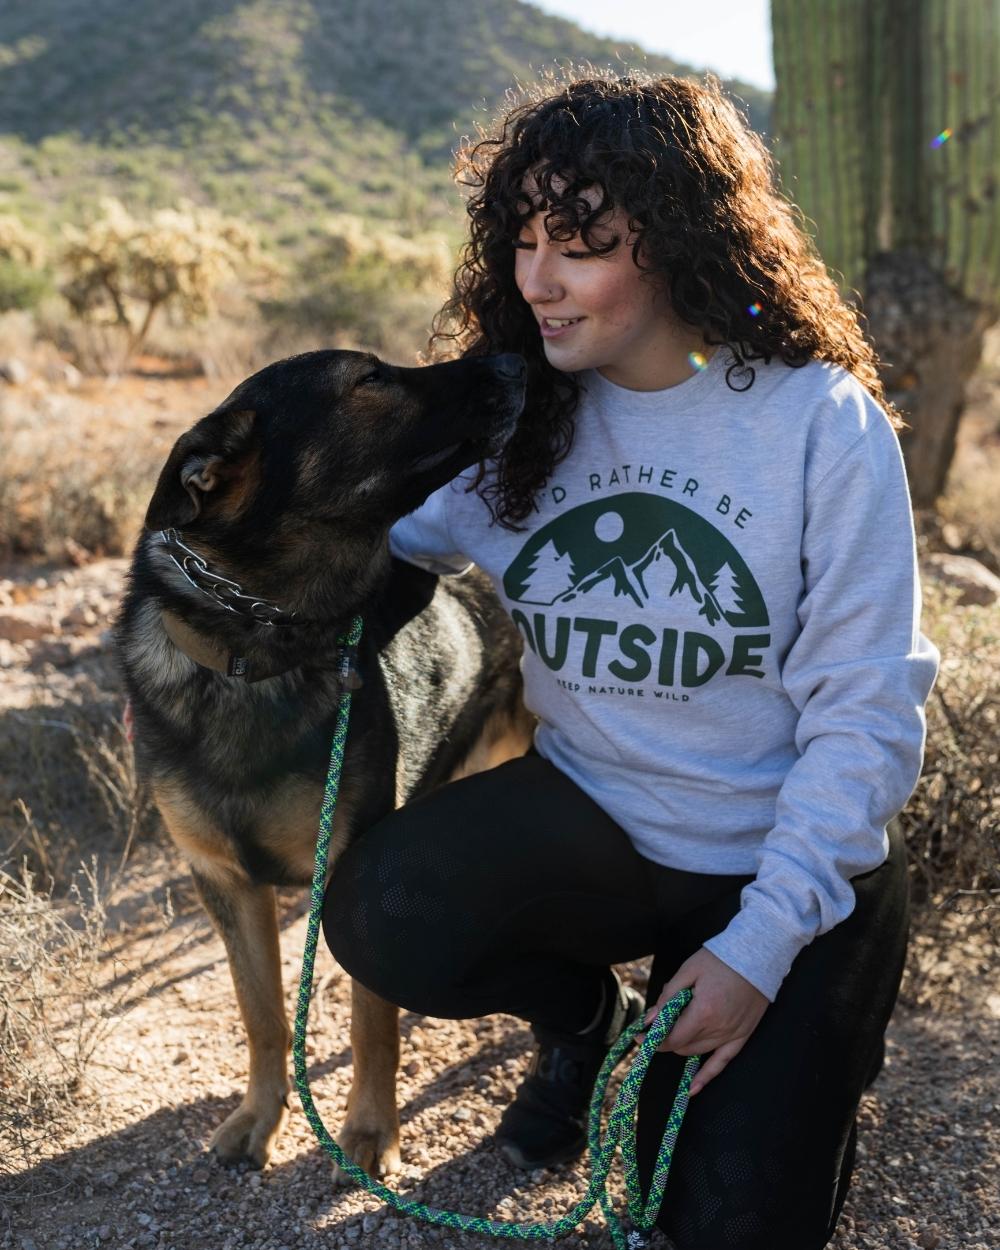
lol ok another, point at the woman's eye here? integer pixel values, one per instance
(523, 245)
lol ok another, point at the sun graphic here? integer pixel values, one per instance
(609, 527)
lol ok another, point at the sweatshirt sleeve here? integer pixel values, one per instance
(859, 673)
(423, 537)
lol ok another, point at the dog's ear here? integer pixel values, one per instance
(215, 454)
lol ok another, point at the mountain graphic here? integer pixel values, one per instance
(635, 581)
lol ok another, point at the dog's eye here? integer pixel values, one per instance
(368, 379)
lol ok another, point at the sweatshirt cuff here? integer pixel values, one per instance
(760, 945)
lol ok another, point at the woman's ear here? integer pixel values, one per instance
(212, 455)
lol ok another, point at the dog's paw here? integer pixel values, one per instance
(375, 1150)
(249, 1133)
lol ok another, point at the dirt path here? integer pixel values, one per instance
(134, 1173)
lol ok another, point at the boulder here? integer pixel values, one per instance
(975, 581)
(24, 625)
(13, 371)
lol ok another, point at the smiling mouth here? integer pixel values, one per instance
(558, 323)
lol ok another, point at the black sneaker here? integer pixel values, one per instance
(546, 1123)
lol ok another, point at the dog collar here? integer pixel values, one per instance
(223, 590)
(208, 653)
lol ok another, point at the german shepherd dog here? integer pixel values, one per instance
(266, 535)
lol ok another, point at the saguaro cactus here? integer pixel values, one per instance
(885, 118)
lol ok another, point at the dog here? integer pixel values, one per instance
(266, 534)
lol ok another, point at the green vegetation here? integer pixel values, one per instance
(276, 113)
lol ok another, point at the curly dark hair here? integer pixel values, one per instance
(698, 186)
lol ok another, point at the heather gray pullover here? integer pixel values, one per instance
(720, 604)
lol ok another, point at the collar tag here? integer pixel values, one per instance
(238, 666)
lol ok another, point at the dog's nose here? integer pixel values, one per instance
(510, 365)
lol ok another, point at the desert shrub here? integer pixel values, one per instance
(22, 287)
(51, 1016)
(123, 270)
(63, 991)
(369, 286)
(18, 243)
(72, 809)
(53, 487)
(952, 821)
(23, 280)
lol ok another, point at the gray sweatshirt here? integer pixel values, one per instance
(719, 598)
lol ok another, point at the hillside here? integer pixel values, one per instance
(275, 112)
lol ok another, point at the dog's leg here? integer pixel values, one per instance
(246, 917)
(370, 1135)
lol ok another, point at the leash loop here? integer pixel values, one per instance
(621, 1121)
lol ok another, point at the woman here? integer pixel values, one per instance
(717, 588)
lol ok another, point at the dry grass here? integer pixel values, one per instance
(62, 988)
(60, 1001)
(952, 821)
(69, 791)
(56, 485)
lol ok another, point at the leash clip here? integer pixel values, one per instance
(636, 1239)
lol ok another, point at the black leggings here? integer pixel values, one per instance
(511, 891)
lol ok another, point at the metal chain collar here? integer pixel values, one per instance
(227, 593)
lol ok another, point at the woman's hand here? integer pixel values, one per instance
(724, 1010)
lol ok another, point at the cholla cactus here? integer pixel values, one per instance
(19, 244)
(349, 243)
(121, 270)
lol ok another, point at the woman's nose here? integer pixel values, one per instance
(540, 284)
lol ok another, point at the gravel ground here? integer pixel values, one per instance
(133, 1171)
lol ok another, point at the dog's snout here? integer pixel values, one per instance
(510, 365)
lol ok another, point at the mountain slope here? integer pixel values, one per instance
(270, 110)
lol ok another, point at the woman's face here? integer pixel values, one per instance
(623, 325)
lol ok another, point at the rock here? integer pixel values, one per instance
(80, 616)
(60, 653)
(930, 1238)
(10, 655)
(63, 372)
(24, 626)
(13, 371)
(977, 584)
(77, 553)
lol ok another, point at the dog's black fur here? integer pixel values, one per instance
(289, 488)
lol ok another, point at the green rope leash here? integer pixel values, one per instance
(621, 1122)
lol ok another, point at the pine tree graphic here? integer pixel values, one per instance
(549, 576)
(725, 586)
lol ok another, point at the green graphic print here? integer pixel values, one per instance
(677, 588)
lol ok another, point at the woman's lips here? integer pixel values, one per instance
(553, 332)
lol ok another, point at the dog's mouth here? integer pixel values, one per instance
(466, 451)
(433, 458)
